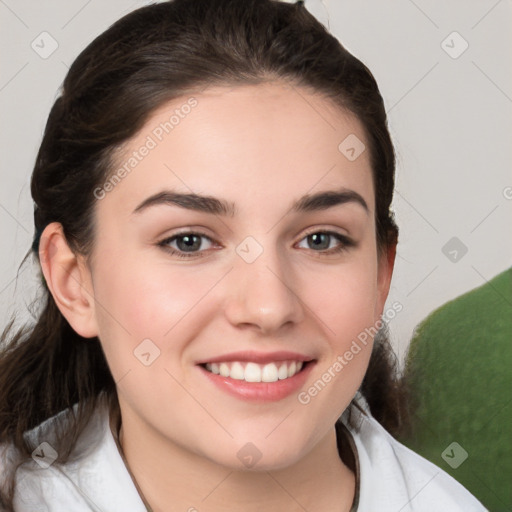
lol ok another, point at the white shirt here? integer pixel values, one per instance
(392, 478)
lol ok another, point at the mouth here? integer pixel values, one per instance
(263, 378)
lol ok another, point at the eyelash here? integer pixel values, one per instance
(344, 243)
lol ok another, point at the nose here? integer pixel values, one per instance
(263, 295)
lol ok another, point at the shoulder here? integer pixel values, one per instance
(93, 477)
(393, 477)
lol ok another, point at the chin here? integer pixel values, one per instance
(260, 455)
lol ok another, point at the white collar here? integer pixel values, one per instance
(392, 477)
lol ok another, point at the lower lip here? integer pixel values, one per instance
(260, 391)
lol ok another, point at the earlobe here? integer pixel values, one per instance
(68, 279)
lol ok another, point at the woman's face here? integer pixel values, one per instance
(237, 247)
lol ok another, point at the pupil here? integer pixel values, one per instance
(320, 240)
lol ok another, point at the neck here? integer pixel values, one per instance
(167, 473)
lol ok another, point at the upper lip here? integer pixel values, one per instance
(257, 357)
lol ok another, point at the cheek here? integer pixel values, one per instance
(144, 326)
(345, 303)
(136, 302)
(345, 300)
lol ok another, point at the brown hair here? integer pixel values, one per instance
(151, 56)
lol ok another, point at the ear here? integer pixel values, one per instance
(69, 280)
(386, 263)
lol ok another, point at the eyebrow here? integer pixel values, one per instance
(328, 199)
(212, 205)
(206, 204)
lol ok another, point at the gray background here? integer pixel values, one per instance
(449, 115)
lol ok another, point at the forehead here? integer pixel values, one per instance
(271, 142)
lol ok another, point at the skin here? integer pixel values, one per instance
(262, 148)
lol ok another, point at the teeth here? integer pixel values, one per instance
(269, 373)
(282, 373)
(253, 372)
(237, 371)
(224, 370)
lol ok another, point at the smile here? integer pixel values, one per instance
(269, 379)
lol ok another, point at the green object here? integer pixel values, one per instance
(459, 367)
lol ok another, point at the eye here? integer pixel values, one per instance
(186, 245)
(326, 242)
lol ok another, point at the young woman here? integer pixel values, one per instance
(212, 212)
